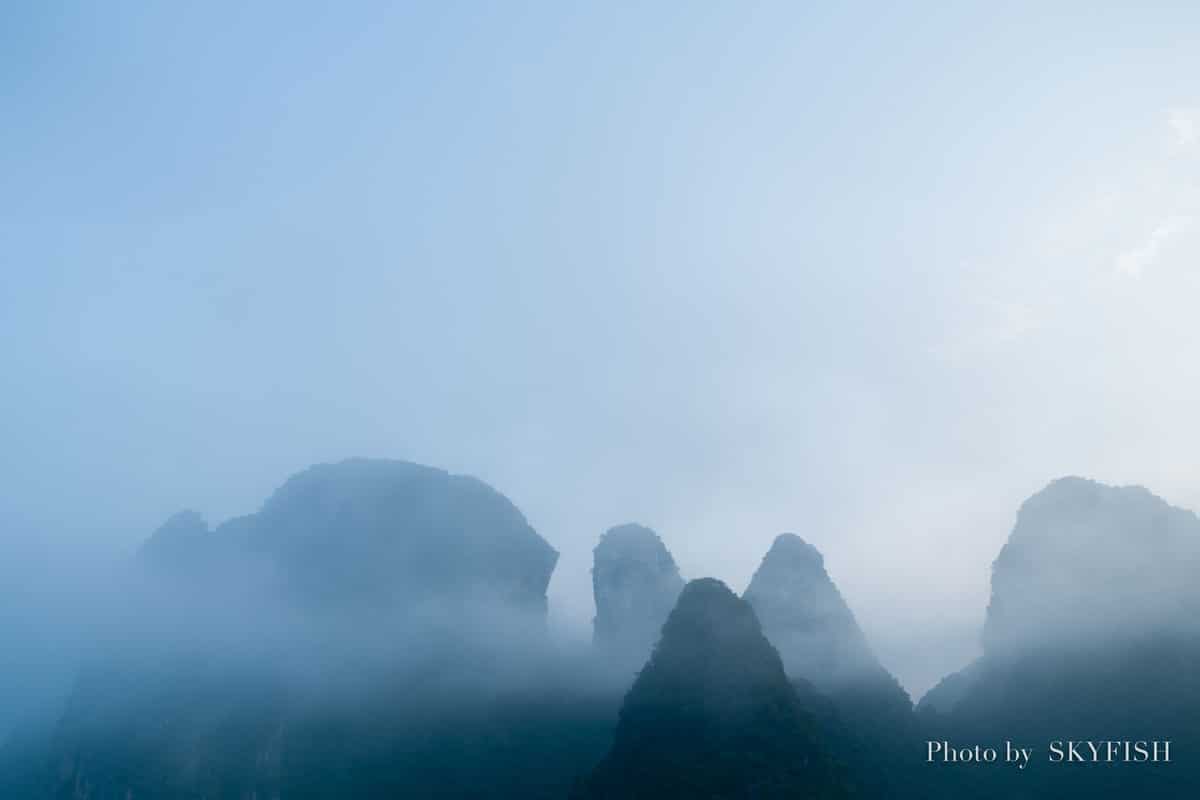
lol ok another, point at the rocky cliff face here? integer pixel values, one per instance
(806, 618)
(1086, 560)
(712, 715)
(635, 584)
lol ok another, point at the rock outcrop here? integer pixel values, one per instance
(712, 715)
(635, 584)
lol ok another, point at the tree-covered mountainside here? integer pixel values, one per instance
(712, 715)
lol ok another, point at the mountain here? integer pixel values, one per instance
(370, 609)
(635, 584)
(1081, 561)
(805, 616)
(370, 533)
(1091, 635)
(712, 715)
(868, 716)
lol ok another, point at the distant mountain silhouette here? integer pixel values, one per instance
(712, 715)
(378, 630)
(403, 589)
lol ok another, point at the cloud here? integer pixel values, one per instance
(1185, 125)
(1134, 262)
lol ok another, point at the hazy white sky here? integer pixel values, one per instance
(872, 275)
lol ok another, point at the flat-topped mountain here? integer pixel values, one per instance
(373, 534)
(383, 584)
(1091, 634)
(1086, 560)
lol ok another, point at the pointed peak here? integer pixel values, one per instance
(806, 617)
(712, 708)
(707, 591)
(790, 547)
(710, 613)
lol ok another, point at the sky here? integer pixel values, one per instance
(870, 275)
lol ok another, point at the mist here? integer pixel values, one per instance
(873, 276)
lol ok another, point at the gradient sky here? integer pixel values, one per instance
(872, 275)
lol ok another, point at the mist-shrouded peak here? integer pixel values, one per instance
(791, 548)
(411, 548)
(394, 531)
(635, 583)
(712, 714)
(321, 490)
(369, 607)
(805, 616)
(1087, 561)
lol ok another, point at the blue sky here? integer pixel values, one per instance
(872, 275)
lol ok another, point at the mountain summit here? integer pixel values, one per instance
(635, 583)
(1086, 561)
(712, 715)
(805, 616)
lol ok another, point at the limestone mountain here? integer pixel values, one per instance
(712, 715)
(1091, 634)
(1085, 563)
(805, 616)
(635, 583)
(384, 583)
(1085, 560)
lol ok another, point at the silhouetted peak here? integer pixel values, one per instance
(712, 714)
(710, 616)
